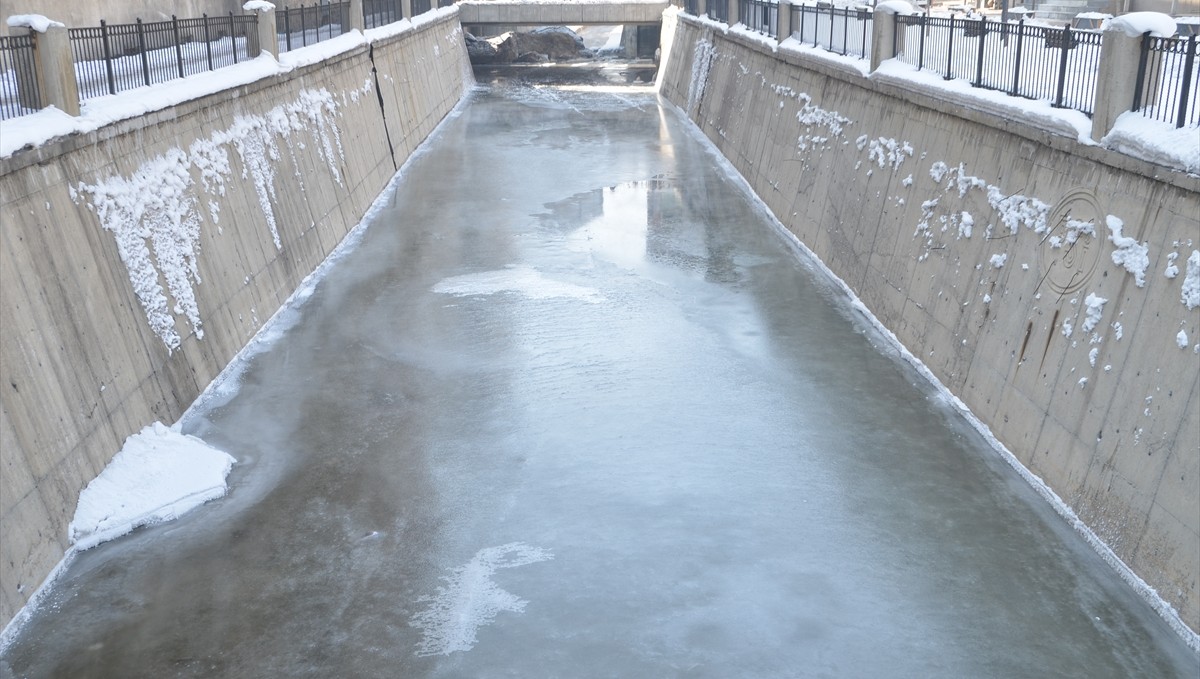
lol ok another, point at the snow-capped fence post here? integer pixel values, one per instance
(784, 21)
(884, 26)
(1116, 80)
(54, 68)
(406, 10)
(701, 7)
(358, 18)
(733, 11)
(268, 40)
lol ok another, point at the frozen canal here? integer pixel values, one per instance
(573, 408)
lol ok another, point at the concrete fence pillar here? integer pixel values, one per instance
(784, 22)
(733, 12)
(268, 40)
(702, 7)
(406, 9)
(883, 38)
(357, 20)
(1116, 80)
(54, 70)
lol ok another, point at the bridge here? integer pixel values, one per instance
(525, 13)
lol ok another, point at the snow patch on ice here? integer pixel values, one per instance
(471, 599)
(159, 475)
(521, 280)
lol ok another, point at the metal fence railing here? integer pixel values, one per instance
(378, 13)
(692, 7)
(760, 15)
(718, 10)
(18, 77)
(113, 58)
(303, 26)
(1168, 81)
(420, 7)
(1057, 65)
(837, 29)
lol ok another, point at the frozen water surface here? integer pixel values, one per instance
(573, 408)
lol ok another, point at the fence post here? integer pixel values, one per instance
(268, 39)
(783, 22)
(358, 18)
(883, 37)
(734, 11)
(178, 47)
(55, 69)
(406, 9)
(1116, 80)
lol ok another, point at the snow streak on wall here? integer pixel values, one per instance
(153, 212)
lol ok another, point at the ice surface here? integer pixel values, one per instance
(159, 475)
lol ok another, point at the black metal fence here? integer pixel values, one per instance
(692, 7)
(303, 26)
(760, 15)
(837, 29)
(118, 57)
(378, 13)
(1058, 65)
(18, 77)
(422, 6)
(1168, 81)
(718, 10)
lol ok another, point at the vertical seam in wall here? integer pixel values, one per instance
(382, 110)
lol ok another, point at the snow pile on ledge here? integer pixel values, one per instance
(159, 475)
(1158, 142)
(37, 22)
(901, 7)
(1136, 24)
(258, 6)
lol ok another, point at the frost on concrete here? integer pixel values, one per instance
(702, 61)
(153, 212)
(157, 476)
(885, 151)
(1190, 295)
(1130, 254)
(471, 599)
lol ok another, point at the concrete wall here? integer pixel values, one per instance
(82, 366)
(83, 14)
(1106, 411)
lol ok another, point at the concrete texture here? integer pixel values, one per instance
(1117, 440)
(81, 368)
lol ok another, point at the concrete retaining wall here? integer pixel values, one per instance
(967, 235)
(139, 259)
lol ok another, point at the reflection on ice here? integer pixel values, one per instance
(522, 280)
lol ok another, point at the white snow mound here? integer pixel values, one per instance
(1135, 24)
(37, 22)
(159, 475)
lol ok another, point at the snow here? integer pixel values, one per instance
(895, 7)
(1190, 295)
(1129, 253)
(470, 599)
(1171, 271)
(159, 475)
(998, 260)
(153, 213)
(1136, 24)
(1155, 141)
(1181, 340)
(258, 6)
(36, 22)
(521, 280)
(1095, 309)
